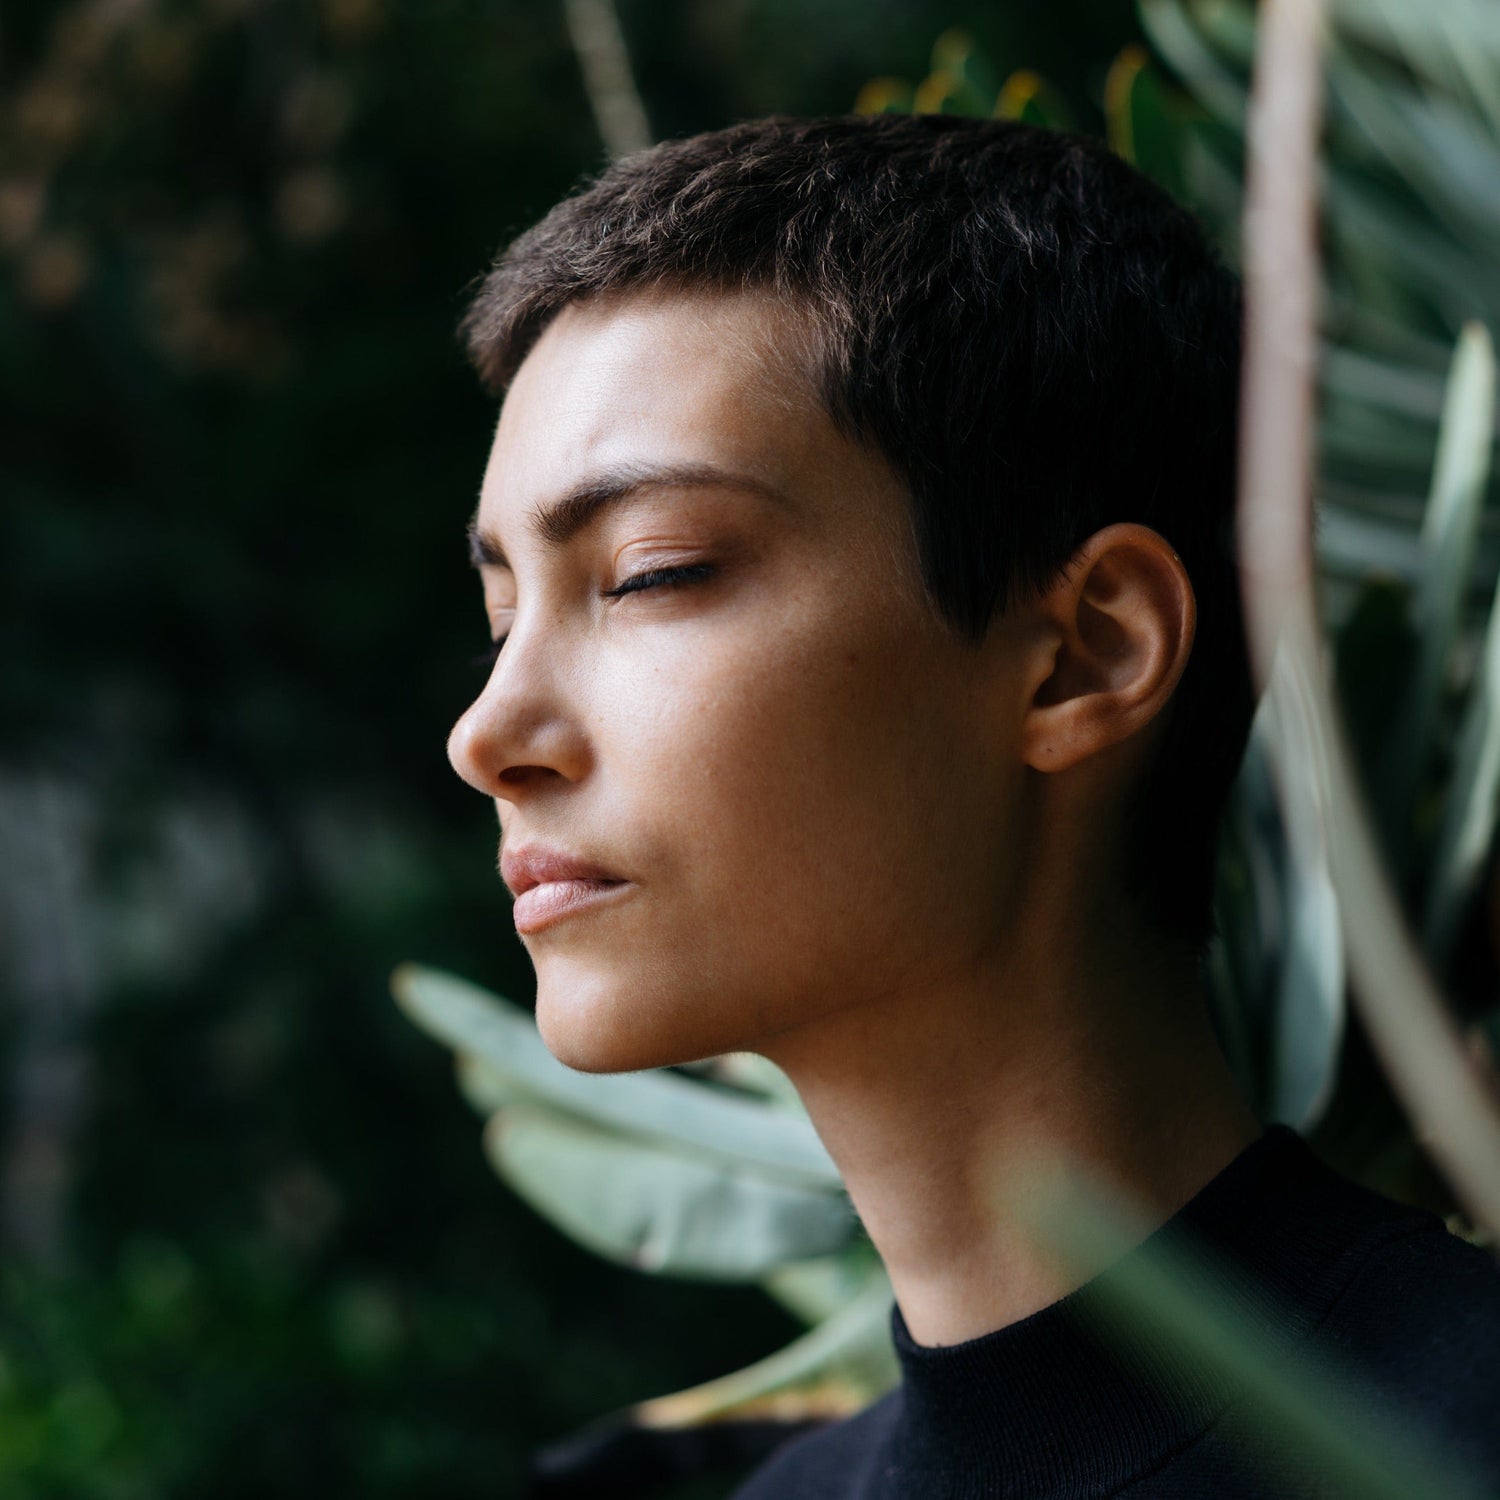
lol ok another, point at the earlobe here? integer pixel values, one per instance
(1118, 629)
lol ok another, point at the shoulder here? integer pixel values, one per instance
(1418, 1328)
(1422, 1294)
(831, 1463)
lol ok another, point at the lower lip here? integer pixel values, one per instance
(554, 900)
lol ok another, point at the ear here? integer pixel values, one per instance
(1116, 628)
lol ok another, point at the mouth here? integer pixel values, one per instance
(551, 901)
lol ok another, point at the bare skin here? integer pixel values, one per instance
(815, 822)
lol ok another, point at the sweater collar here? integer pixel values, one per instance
(1043, 1407)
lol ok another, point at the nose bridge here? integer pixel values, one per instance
(519, 720)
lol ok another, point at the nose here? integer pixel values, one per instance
(518, 734)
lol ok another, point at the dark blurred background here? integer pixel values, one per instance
(250, 1242)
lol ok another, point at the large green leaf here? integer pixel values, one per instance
(657, 1207)
(656, 1105)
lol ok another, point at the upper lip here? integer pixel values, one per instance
(535, 864)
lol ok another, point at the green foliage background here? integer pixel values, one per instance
(250, 1241)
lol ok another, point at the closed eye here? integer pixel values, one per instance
(649, 578)
(653, 578)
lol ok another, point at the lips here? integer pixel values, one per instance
(550, 885)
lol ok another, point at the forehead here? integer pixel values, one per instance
(717, 379)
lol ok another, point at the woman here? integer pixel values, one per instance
(868, 684)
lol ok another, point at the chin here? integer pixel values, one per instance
(595, 1023)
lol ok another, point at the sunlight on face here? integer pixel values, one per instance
(745, 777)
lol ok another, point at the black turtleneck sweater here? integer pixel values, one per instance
(1404, 1313)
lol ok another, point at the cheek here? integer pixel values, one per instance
(797, 799)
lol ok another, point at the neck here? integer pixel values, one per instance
(927, 1100)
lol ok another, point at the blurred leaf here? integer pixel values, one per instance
(1310, 1009)
(1375, 648)
(884, 96)
(960, 82)
(1435, 146)
(1464, 838)
(659, 1208)
(1468, 827)
(1144, 123)
(945, 93)
(1449, 531)
(1308, 1012)
(1028, 96)
(816, 1289)
(1455, 46)
(752, 1074)
(852, 1346)
(1174, 35)
(486, 1088)
(653, 1105)
(1229, 28)
(1385, 383)
(955, 55)
(1392, 251)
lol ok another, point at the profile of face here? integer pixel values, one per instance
(746, 776)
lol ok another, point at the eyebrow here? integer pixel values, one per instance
(562, 519)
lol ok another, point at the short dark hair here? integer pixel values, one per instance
(1036, 337)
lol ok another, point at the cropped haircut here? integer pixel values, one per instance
(1036, 338)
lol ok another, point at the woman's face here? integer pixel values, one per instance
(745, 776)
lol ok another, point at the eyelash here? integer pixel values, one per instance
(651, 578)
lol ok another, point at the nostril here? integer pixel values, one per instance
(518, 776)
